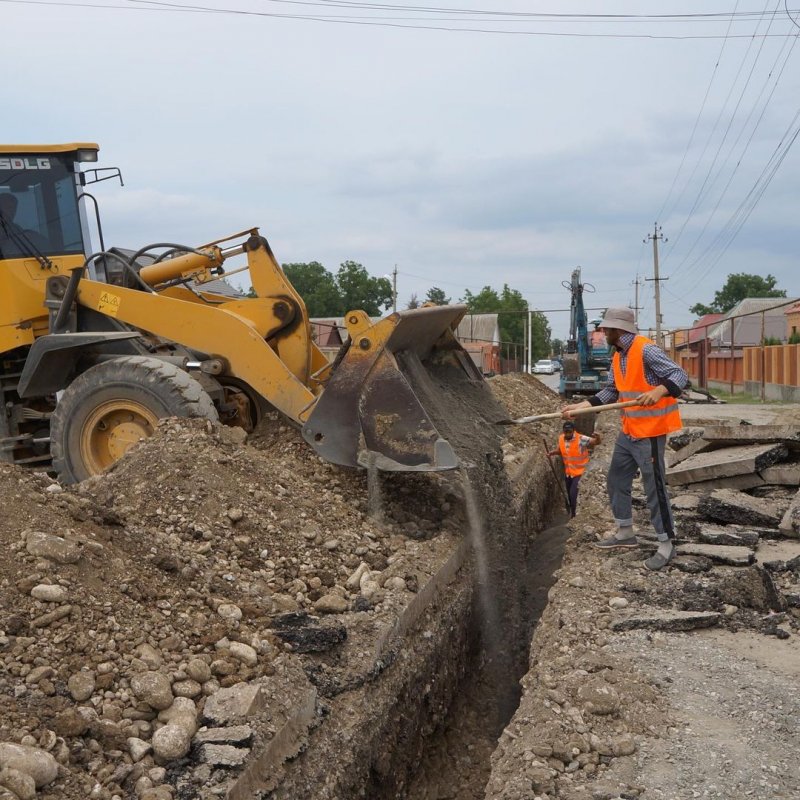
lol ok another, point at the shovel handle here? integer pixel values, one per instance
(559, 414)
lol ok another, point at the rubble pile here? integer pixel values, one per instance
(599, 699)
(196, 565)
(736, 501)
(201, 564)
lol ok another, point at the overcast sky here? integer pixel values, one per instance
(466, 158)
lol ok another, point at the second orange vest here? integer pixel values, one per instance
(575, 459)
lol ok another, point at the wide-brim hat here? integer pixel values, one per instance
(620, 318)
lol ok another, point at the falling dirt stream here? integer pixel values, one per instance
(456, 759)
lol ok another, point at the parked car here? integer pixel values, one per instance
(557, 364)
(544, 367)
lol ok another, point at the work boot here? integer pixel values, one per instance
(659, 560)
(613, 543)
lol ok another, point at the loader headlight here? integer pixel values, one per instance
(85, 155)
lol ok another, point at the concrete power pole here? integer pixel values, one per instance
(655, 236)
(637, 283)
(394, 288)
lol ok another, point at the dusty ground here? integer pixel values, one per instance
(201, 560)
(201, 564)
(657, 714)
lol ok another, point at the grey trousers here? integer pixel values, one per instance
(647, 456)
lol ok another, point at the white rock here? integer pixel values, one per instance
(198, 670)
(618, 602)
(49, 593)
(52, 547)
(81, 685)
(33, 761)
(149, 655)
(354, 581)
(182, 713)
(331, 604)
(171, 742)
(187, 688)
(21, 784)
(138, 748)
(153, 688)
(244, 653)
(229, 611)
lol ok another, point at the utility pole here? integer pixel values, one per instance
(655, 236)
(637, 283)
(394, 288)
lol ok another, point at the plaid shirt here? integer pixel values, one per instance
(659, 369)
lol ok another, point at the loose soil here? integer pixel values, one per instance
(220, 563)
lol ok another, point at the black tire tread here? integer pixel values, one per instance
(178, 389)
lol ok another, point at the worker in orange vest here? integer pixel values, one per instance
(640, 371)
(574, 452)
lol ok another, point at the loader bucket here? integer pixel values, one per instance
(372, 409)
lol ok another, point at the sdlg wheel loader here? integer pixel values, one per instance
(97, 346)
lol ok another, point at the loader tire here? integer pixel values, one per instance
(113, 405)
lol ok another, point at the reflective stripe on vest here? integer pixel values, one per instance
(575, 459)
(642, 422)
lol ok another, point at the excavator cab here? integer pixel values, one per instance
(96, 346)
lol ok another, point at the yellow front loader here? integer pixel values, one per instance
(95, 347)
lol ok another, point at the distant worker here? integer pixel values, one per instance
(641, 371)
(574, 452)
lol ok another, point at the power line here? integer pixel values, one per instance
(740, 159)
(660, 214)
(377, 21)
(746, 207)
(708, 142)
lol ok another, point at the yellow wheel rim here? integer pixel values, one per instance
(111, 430)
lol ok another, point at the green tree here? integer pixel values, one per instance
(437, 296)
(511, 306)
(557, 347)
(359, 290)
(737, 288)
(317, 287)
(413, 301)
(541, 346)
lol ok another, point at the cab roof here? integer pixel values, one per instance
(71, 147)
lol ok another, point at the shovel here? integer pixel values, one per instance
(559, 415)
(559, 481)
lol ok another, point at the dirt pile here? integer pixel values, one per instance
(197, 565)
(173, 568)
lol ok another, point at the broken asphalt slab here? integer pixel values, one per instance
(659, 619)
(726, 463)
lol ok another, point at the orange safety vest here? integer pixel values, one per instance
(575, 459)
(642, 422)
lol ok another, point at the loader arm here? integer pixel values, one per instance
(226, 334)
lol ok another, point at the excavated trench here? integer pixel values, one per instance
(446, 678)
(426, 727)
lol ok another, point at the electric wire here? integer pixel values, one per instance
(377, 21)
(746, 207)
(709, 182)
(709, 139)
(722, 195)
(696, 123)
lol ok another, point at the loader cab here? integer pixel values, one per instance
(40, 212)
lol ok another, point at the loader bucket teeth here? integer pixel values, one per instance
(370, 411)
